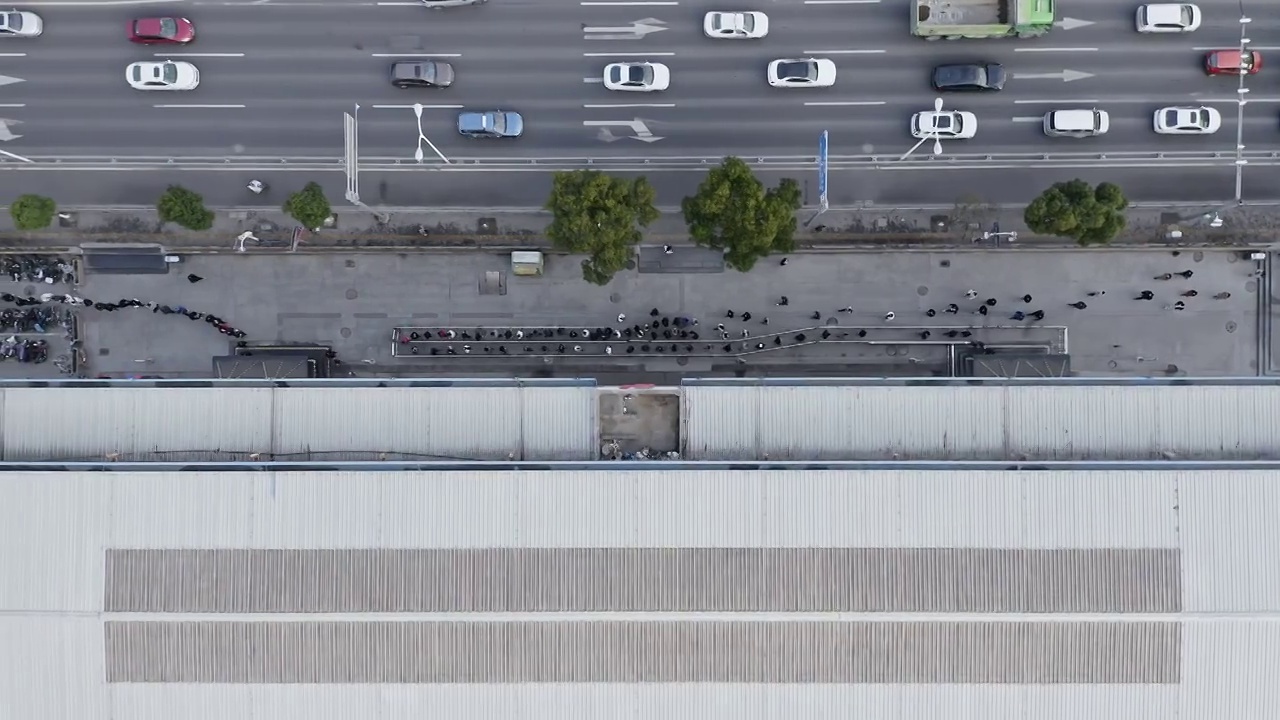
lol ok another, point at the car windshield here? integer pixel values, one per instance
(168, 27)
(796, 71)
(748, 23)
(1199, 118)
(944, 123)
(637, 75)
(426, 72)
(499, 122)
(12, 21)
(168, 72)
(615, 74)
(1186, 15)
(1171, 118)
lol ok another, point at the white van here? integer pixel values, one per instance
(1076, 123)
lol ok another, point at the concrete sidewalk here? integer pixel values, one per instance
(959, 225)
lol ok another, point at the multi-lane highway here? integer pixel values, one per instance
(277, 76)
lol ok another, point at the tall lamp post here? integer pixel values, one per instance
(351, 158)
(931, 135)
(1241, 92)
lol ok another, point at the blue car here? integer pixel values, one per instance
(491, 124)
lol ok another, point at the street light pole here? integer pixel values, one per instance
(1241, 92)
(931, 135)
(351, 158)
(422, 138)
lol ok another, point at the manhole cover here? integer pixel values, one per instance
(615, 298)
(1231, 326)
(345, 332)
(922, 290)
(104, 351)
(352, 294)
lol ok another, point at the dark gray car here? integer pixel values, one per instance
(491, 124)
(975, 77)
(421, 74)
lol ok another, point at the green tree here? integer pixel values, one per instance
(309, 206)
(33, 212)
(599, 216)
(184, 207)
(734, 212)
(1089, 215)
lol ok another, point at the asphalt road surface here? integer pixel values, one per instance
(276, 78)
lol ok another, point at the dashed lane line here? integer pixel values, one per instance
(629, 105)
(199, 107)
(1054, 102)
(410, 107)
(421, 55)
(199, 55)
(1058, 49)
(848, 103)
(628, 54)
(845, 52)
(13, 54)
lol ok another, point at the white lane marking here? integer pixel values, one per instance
(1055, 102)
(1029, 118)
(1037, 49)
(851, 103)
(628, 3)
(6, 80)
(199, 55)
(629, 54)
(1210, 49)
(1233, 101)
(845, 52)
(201, 107)
(93, 3)
(841, 2)
(398, 4)
(425, 55)
(593, 80)
(15, 156)
(13, 54)
(632, 105)
(410, 107)
(13, 105)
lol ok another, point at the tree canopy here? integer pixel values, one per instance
(184, 207)
(309, 206)
(599, 216)
(1090, 215)
(33, 212)
(734, 212)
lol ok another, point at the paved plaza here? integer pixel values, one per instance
(353, 302)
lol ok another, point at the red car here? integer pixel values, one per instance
(162, 31)
(1232, 62)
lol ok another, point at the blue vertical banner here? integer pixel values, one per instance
(822, 170)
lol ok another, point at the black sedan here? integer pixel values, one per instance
(972, 77)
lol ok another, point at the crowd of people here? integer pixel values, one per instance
(76, 302)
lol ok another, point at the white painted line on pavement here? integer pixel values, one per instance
(851, 103)
(201, 55)
(593, 80)
(1233, 101)
(15, 156)
(93, 3)
(1029, 118)
(410, 107)
(1054, 102)
(844, 52)
(13, 105)
(1208, 49)
(633, 105)
(1035, 49)
(397, 4)
(13, 54)
(397, 55)
(628, 3)
(201, 107)
(629, 54)
(841, 2)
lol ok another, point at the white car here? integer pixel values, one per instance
(1168, 18)
(20, 23)
(945, 125)
(637, 77)
(162, 75)
(1187, 120)
(735, 25)
(802, 72)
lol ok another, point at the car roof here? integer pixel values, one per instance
(1165, 13)
(409, 68)
(1228, 58)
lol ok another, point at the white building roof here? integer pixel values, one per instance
(981, 422)
(888, 594)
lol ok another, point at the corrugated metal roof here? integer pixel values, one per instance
(230, 423)
(56, 531)
(1041, 422)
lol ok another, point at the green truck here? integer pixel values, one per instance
(979, 19)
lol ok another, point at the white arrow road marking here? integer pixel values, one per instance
(1065, 76)
(634, 31)
(1072, 23)
(1029, 118)
(607, 135)
(642, 131)
(5, 133)
(6, 80)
